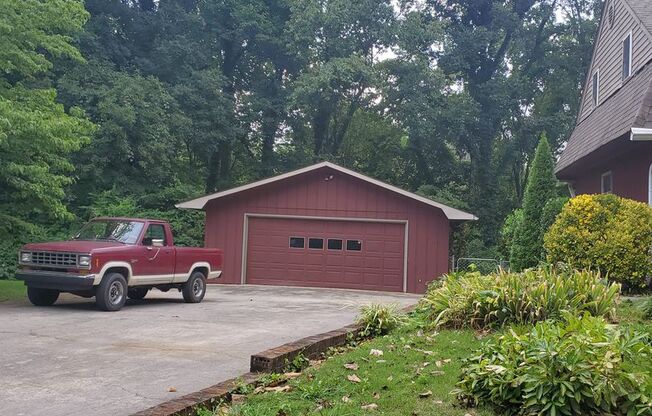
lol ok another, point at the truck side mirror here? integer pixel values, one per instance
(157, 242)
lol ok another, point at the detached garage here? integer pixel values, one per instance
(327, 226)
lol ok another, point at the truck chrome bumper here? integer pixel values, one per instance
(62, 281)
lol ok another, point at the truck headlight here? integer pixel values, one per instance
(25, 257)
(84, 260)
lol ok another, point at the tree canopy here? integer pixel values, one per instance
(157, 101)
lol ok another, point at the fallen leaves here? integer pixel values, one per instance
(351, 366)
(425, 394)
(353, 378)
(376, 353)
(370, 406)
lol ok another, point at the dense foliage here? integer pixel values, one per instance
(527, 241)
(159, 101)
(477, 301)
(605, 233)
(583, 366)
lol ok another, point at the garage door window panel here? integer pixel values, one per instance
(297, 242)
(316, 243)
(335, 244)
(353, 245)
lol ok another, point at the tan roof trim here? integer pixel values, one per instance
(450, 212)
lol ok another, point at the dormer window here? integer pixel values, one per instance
(627, 56)
(596, 88)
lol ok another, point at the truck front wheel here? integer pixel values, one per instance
(111, 294)
(42, 297)
(195, 288)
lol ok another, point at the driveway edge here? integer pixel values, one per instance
(272, 360)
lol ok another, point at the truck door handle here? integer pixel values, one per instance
(155, 254)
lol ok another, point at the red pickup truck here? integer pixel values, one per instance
(116, 258)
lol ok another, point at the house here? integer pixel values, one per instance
(610, 149)
(327, 226)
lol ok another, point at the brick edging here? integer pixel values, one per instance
(275, 359)
(185, 405)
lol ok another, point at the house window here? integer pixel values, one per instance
(606, 186)
(627, 56)
(596, 86)
(297, 242)
(353, 245)
(334, 244)
(316, 243)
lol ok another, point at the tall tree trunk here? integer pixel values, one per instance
(269, 127)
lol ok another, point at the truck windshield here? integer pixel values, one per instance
(111, 230)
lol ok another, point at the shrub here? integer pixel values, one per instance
(647, 308)
(605, 233)
(472, 300)
(550, 212)
(580, 367)
(508, 231)
(378, 319)
(527, 246)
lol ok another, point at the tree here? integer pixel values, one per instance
(37, 135)
(527, 248)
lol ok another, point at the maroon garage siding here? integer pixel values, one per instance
(630, 173)
(336, 205)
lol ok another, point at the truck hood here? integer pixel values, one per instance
(72, 246)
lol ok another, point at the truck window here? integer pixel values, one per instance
(154, 232)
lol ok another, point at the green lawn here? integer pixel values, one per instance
(11, 289)
(414, 362)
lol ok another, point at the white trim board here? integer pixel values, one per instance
(245, 236)
(450, 212)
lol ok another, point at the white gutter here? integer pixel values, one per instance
(640, 134)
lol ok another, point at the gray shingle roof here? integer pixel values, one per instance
(643, 10)
(629, 107)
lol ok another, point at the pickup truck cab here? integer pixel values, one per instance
(116, 258)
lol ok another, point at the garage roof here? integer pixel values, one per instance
(450, 212)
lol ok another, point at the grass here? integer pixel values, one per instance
(630, 312)
(414, 362)
(12, 290)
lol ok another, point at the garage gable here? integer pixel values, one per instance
(451, 213)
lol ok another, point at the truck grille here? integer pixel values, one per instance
(45, 258)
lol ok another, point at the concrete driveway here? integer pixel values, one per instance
(71, 359)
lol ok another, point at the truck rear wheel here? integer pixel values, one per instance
(42, 297)
(111, 294)
(195, 288)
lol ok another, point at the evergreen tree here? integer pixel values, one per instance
(527, 247)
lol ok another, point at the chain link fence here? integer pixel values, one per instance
(484, 266)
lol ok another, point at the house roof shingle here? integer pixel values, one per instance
(629, 107)
(643, 10)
